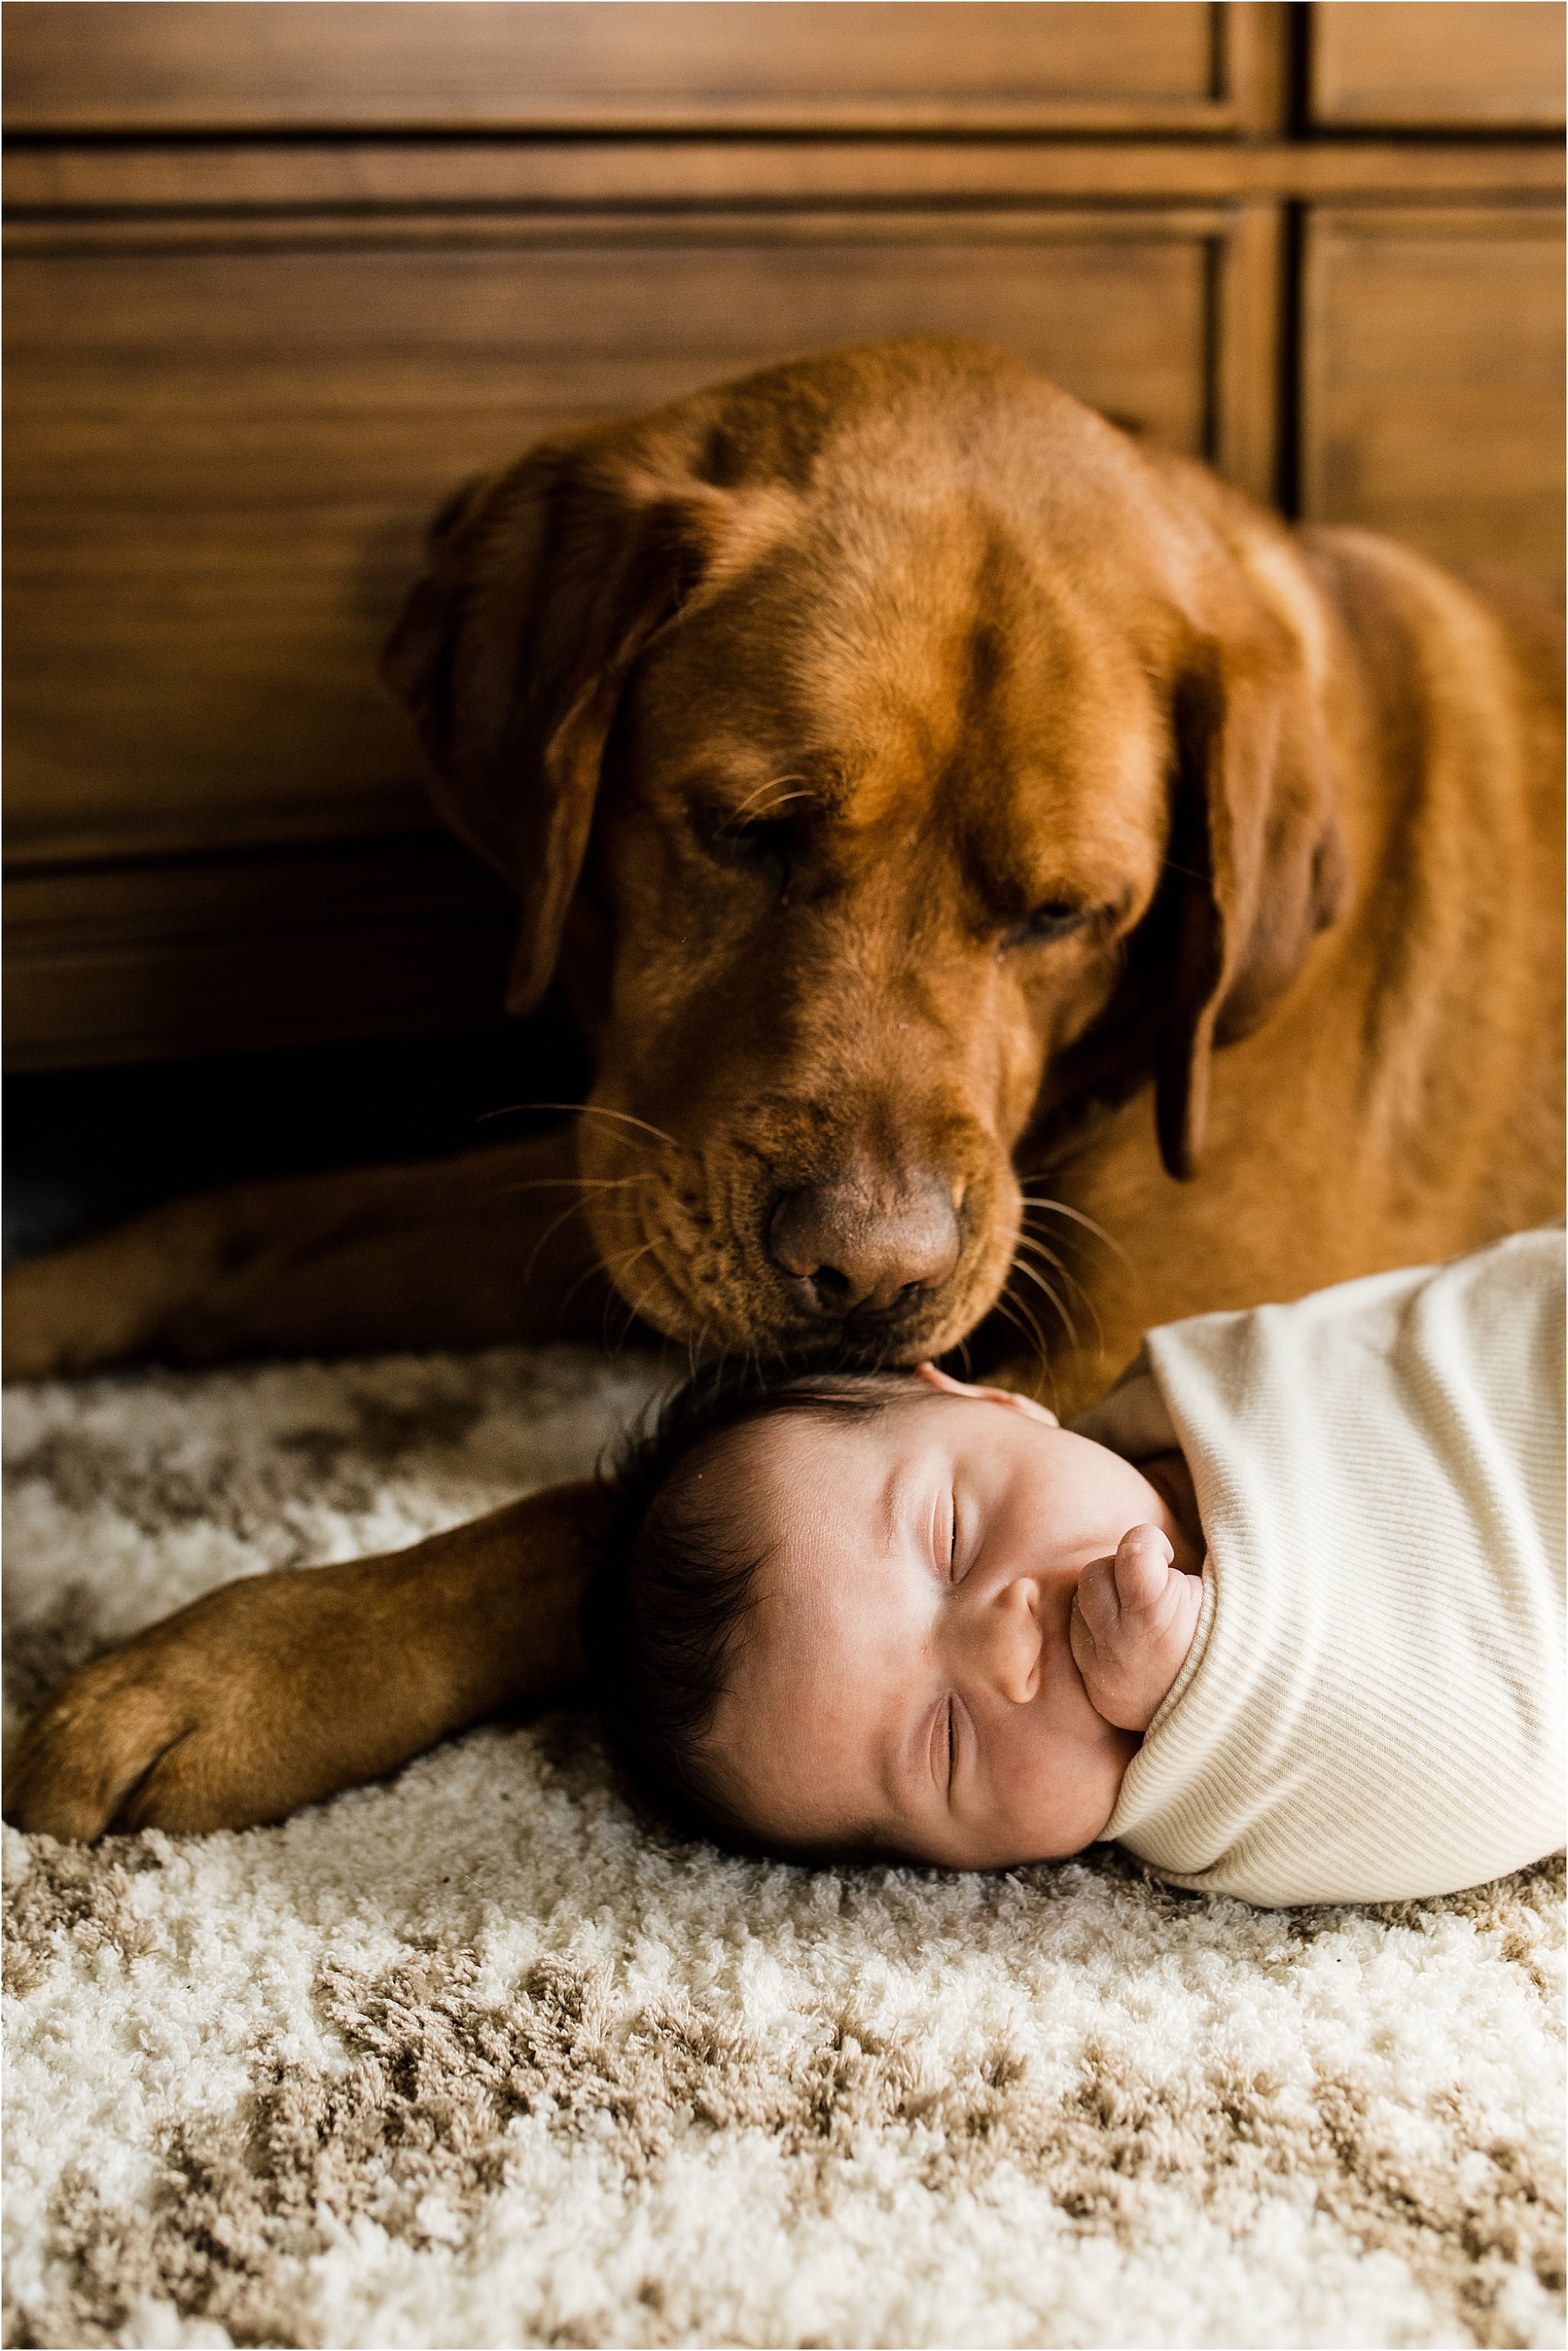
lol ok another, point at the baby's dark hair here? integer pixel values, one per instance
(673, 1584)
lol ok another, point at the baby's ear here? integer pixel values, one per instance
(950, 1386)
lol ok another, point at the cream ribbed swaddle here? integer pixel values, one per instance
(1373, 1706)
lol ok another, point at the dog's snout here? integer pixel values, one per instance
(849, 1246)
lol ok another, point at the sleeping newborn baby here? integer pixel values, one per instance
(1283, 1614)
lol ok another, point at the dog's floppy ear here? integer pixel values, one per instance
(1257, 855)
(512, 651)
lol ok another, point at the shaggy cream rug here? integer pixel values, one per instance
(468, 2059)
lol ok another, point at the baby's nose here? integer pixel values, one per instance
(1008, 1641)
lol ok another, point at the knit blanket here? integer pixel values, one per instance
(476, 2057)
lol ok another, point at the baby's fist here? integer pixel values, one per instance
(1133, 1624)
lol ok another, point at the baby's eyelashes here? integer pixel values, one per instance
(945, 1533)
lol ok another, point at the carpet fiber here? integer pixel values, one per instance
(473, 2059)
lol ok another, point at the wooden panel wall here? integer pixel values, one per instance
(1430, 64)
(279, 275)
(655, 65)
(268, 429)
(1410, 425)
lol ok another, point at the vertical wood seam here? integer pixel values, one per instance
(1248, 390)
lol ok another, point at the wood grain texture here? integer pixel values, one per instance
(1432, 392)
(280, 274)
(120, 961)
(221, 460)
(289, 179)
(1441, 63)
(161, 65)
(1250, 299)
(1252, 64)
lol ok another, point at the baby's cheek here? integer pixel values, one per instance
(1059, 1779)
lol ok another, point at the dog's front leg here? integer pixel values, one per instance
(280, 1689)
(464, 1252)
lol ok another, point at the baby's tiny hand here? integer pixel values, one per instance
(1133, 1624)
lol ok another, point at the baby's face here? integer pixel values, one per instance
(906, 1678)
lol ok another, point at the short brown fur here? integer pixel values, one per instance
(1289, 804)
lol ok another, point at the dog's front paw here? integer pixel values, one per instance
(221, 1717)
(98, 1749)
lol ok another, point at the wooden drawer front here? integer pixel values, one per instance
(1433, 381)
(221, 459)
(73, 66)
(119, 963)
(1438, 63)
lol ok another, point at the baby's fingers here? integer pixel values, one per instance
(1097, 1606)
(1143, 1568)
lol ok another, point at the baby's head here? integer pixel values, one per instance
(837, 1618)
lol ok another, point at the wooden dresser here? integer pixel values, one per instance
(280, 276)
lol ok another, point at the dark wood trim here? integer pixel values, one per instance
(63, 183)
(851, 119)
(1020, 224)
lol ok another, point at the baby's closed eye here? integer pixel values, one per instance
(943, 1747)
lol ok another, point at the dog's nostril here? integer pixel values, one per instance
(865, 1242)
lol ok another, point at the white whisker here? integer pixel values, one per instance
(595, 1110)
(1041, 1282)
(1040, 1201)
(1059, 1265)
(807, 792)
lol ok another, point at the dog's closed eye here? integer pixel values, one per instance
(1053, 920)
(768, 845)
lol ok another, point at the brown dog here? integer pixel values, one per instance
(917, 782)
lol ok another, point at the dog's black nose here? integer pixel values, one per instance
(864, 1244)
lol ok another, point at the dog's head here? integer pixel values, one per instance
(881, 747)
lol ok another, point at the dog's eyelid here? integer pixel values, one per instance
(736, 838)
(1053, 918)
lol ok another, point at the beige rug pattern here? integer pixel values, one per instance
(473, 2058)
